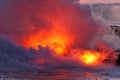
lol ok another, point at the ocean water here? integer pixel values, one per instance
(65, 73)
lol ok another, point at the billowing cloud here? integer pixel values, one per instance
(50, 27)
(37, 22)
(99, 1)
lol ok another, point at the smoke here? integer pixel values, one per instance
(109, 15)
(14, 57)
(25, 18)
(42, 28)
(106, 12)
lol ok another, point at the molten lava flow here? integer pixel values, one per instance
(88, 57)
(91, 57)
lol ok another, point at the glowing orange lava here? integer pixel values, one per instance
(91, 57)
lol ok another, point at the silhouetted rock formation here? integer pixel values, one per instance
(116, 30)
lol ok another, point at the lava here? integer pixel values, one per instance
(60, 43)
(92, 57)
(62, 27)
(88, 57)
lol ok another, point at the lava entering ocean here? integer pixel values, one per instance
(92, 57)
(60, 44)
(68, 29)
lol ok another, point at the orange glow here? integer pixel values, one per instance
(58, 43)
(91, 57)
(62, 27)
(54, 39)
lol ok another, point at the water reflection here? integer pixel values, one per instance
(52, 74)
(66, 73)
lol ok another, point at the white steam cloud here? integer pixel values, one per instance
(99, 1)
